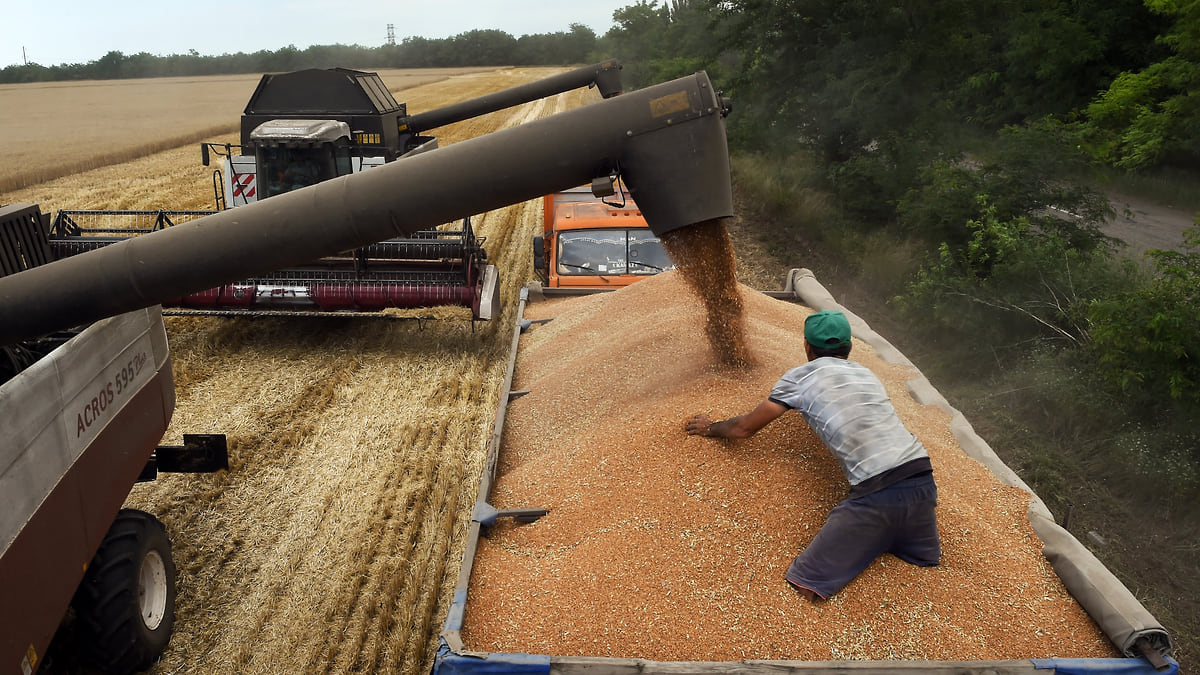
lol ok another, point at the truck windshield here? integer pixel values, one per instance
(283, 169)
(617, 251)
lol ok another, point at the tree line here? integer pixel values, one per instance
(472, 48)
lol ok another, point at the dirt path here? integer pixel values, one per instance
(1143, 225)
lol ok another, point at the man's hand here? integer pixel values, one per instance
(742, 426)
(699, 425)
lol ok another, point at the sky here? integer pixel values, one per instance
(50, 32)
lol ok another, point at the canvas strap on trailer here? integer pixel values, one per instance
(1145, 643)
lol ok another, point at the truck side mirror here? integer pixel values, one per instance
(539, 253)
(204, 154)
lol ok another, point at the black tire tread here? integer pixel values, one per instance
(110, 626)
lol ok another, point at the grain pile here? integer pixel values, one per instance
(663, 546)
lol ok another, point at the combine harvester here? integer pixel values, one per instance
(310, 126)
(84, 410)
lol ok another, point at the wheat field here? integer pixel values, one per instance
(55, 129)
(334, 541)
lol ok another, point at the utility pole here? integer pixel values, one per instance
(391, 34)
(23, 56)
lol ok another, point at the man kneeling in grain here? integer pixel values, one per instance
(890, 508)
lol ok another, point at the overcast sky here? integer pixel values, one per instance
(79, 31)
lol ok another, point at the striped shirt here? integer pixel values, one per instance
(848, 408)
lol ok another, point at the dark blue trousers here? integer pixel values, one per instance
(899, 519)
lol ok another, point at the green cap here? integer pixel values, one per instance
(827, 329)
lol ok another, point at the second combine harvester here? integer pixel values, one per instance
(310, 126)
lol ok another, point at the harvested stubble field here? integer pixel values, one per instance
(334, 541)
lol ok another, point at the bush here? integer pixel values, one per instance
(1147, 340)
(1013, 282)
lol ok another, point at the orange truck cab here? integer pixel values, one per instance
(588, 243)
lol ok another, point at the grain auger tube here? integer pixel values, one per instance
(605, 76)
(666, 141)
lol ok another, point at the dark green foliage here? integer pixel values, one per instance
(656, 43)
(573, 46)
(1052, 56)
(1025, 172)
(1012, 283)
(1020, 254)
(1147, 340)
(849, 78)
(1151, 116)
(869, 78)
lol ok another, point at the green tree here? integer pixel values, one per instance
(1152, 116)
(875, 88)
(1022, 282)
(1148, 340)
(109, 66)
(482, 48)
(657, 43)
(1023, 173)
(1052, 56)
(852, 78)
(573, 46)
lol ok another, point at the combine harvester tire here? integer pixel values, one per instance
(125, 607)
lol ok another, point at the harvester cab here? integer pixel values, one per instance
(294, 154)
(308, 126)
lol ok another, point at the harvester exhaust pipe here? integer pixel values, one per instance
(667, 141)
(605, 76)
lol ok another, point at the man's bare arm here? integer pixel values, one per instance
(742, 426)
